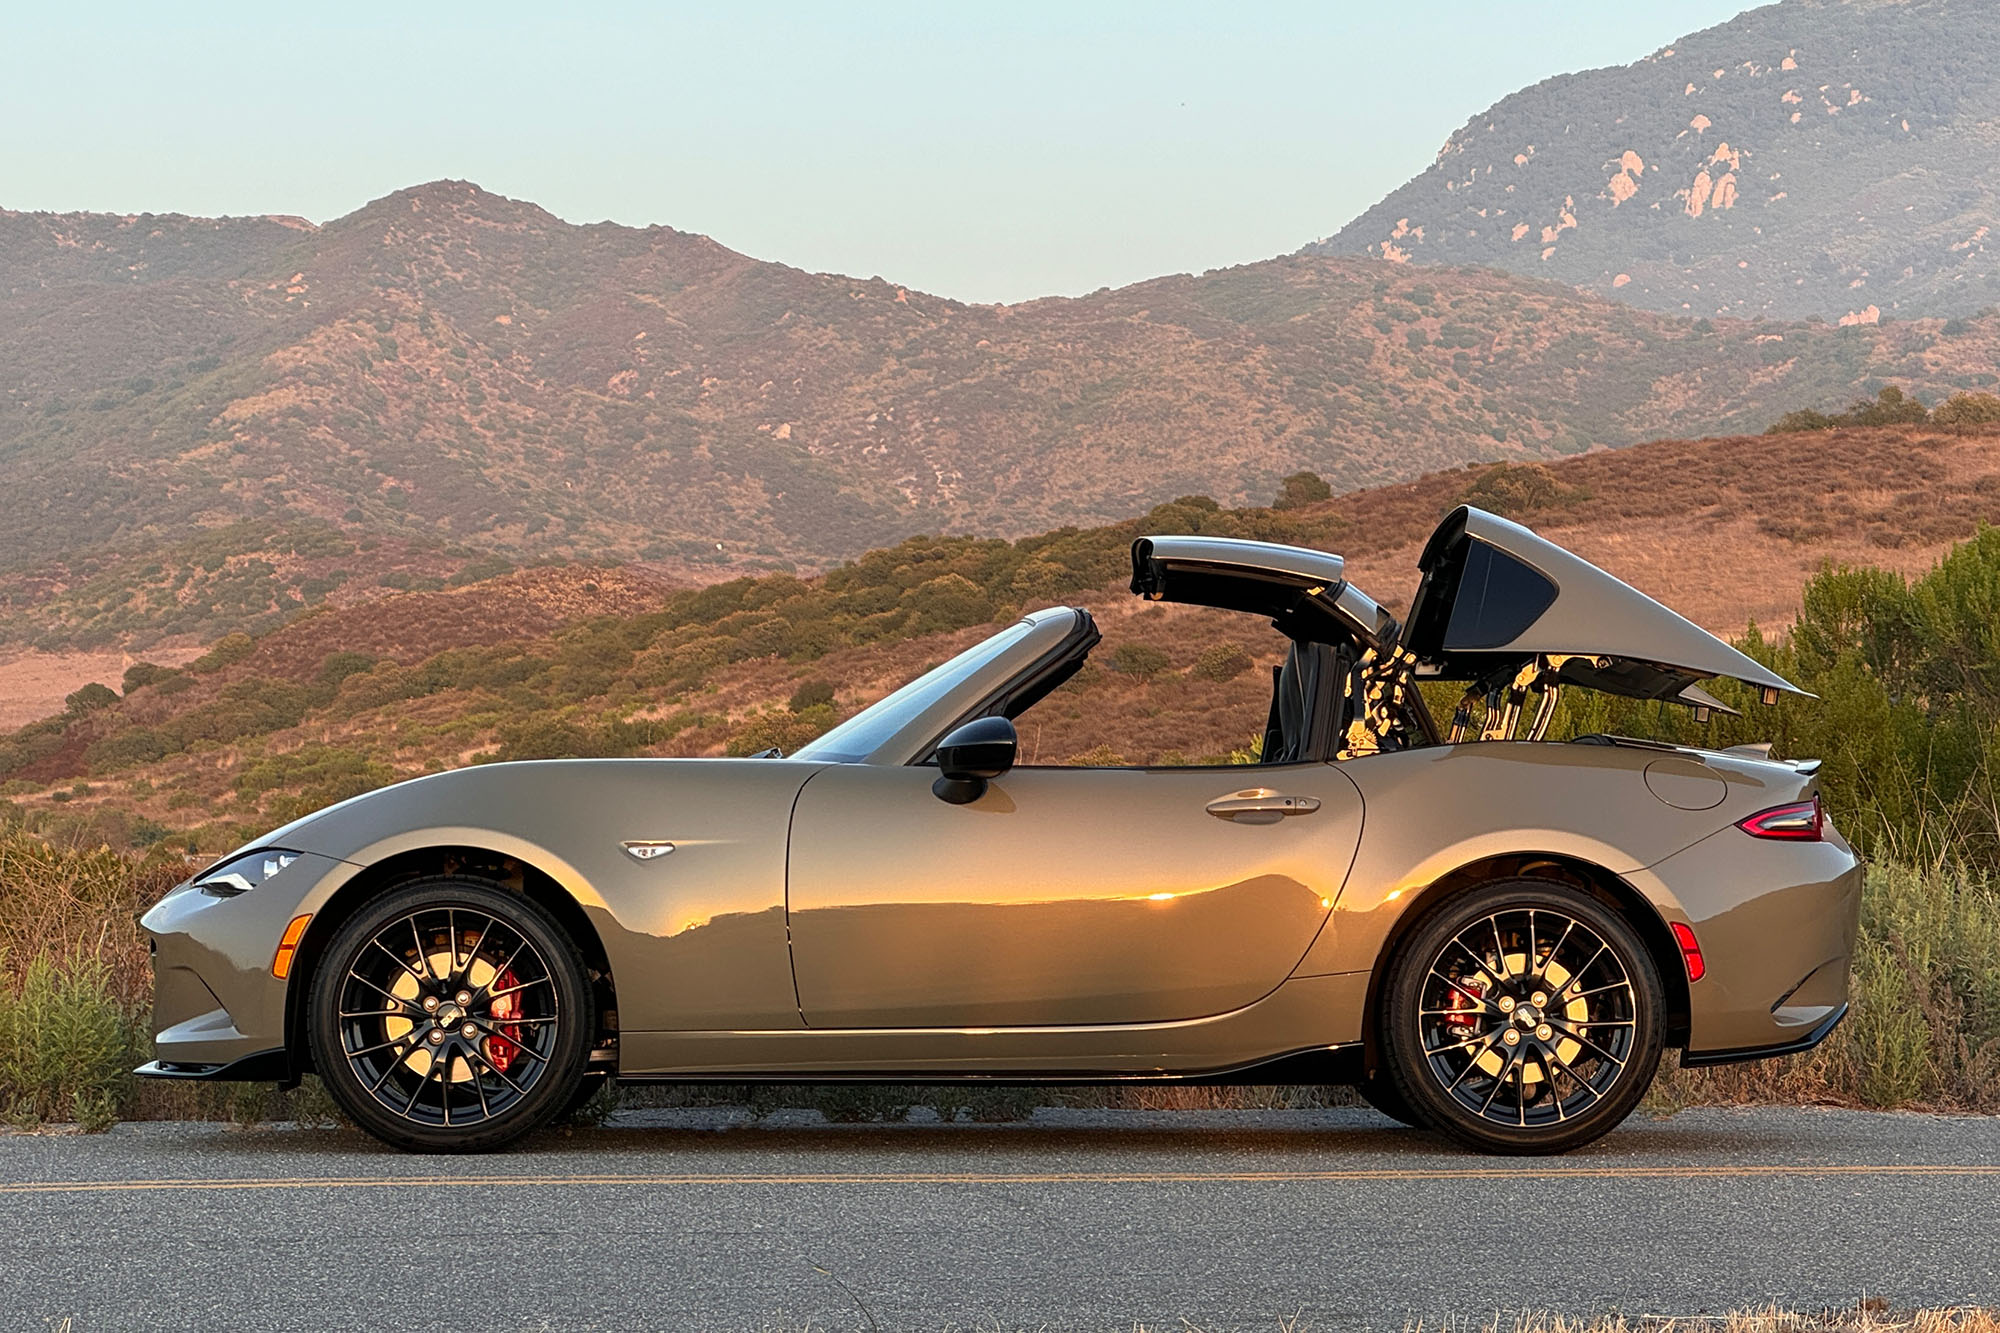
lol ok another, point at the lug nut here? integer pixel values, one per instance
(469, 1030)
(1506, 1004)
(1545, 1032)
(1538, 998)
(430, 1004)
(464, 997)
(437, 1036)
(1511, 1037)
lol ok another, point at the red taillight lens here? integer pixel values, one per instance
(1690, 950)
(1802, 821)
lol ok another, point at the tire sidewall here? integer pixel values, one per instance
(1409, 1069)
(551, 1093)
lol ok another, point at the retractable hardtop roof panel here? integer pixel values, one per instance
(1304, 592)
(1494, 595)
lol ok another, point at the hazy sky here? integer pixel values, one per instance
(988, 152)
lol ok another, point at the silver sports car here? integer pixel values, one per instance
(1488, 933)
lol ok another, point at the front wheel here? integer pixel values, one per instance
(1523, 1017)
(451, 1016)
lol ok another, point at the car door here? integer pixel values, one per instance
(1062, 896)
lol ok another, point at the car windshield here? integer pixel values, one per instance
(868, 730)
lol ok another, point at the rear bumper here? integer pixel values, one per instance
(1705, 1059)
(1776, 922)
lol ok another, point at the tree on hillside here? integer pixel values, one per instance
(1301, 489)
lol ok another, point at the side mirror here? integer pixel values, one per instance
(971, 756)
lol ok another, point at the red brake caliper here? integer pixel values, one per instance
(1463, 1006)
(501, 1050)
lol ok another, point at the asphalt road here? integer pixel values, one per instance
(1076, 1220)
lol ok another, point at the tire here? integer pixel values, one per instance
(1379, 1091)
(451, 1015)
(1477, 1056)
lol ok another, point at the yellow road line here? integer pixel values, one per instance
(692, 1180)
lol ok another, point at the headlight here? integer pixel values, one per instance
(240, 874)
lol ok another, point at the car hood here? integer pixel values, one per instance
(470, 797)
(1495, 593)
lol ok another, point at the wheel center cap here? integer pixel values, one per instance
(1527, 1016)
(448, 1015)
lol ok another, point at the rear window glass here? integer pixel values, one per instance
(1498, 598)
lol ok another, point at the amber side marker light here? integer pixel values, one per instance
(1802, 821)
(1690, 950)
(281, 961)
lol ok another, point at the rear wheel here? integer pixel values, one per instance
(451, 1016)
(1523, 1018)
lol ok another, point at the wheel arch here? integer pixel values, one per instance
(510, 872)
(1574, 871)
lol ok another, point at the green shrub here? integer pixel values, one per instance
(543, 737)
(1515, 489)
(1100, 756)
(814, 693)
(949, 601)
(1303, 488)
(1964, 411)
(141, 674)
(1222, 661)
(783, 730)
(1890, 407)
(66, 1041)
(1139, 659)
(481, 569)
(226, 651)
(338, 666)
(312, 776)
(90, 698)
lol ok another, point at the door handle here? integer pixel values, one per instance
(1261, 805)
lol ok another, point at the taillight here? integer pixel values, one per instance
(1802, 821)
(1697, 966)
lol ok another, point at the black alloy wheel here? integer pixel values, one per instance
(1523, 1017)
(451, 1015)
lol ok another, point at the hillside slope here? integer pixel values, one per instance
(1813, 157)
(558, 662)
(469, 376)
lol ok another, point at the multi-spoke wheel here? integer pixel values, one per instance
(1523, 1018)
(451, 1015)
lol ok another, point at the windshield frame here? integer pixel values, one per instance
(903, 727)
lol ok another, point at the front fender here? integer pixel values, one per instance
(699, 934)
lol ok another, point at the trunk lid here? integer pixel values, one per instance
(1495, 595)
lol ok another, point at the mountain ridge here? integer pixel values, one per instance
(1812, 157)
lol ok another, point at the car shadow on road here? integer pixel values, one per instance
(1106, 1141)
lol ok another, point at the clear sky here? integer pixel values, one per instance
(990, 152)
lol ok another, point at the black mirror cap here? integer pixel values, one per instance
(972, 755)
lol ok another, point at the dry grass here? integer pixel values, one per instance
(1868, 1316)
(1865, 1317)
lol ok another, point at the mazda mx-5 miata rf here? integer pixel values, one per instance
(1490, 934)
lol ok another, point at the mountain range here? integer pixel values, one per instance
(212, 424)
(1813, 157)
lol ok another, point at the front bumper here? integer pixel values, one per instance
(273, 1066)
(216, 1005)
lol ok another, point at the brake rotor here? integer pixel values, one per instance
(1554, 976)
(478, 975)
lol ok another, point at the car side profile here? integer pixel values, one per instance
(1490, 934)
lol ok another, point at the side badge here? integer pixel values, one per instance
(647, 849)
